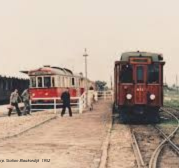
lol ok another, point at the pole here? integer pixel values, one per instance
(86, 77)
(177, 83)
(111, 83)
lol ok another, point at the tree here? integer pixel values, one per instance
(101, 85)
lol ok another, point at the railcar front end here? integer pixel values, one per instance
(139, 86)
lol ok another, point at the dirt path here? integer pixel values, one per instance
(66, 142)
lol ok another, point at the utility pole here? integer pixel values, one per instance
(86, 76)
(111, 83)
(177, 83)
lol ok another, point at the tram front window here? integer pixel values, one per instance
(153, 73)
(47, 82)
(140, 74)
(126, 74)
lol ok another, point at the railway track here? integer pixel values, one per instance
(167, 140)
(153, 162)
(137, 152)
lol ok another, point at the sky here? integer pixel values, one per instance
(34, 33)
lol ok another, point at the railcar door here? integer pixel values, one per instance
(140, 84)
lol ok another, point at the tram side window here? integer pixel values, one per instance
(53, 82)
(126, 74)
(69, 82)
(39, 82)
(47, 82)
(77, 82)
(73, 81)
(33, 82)
(153, 73)
(62, 81)
(140, 74)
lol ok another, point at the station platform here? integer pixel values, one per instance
(64, 142)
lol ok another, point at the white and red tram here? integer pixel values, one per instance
(49, 82)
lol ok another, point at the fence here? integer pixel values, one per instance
(105, 95)
(80, 104)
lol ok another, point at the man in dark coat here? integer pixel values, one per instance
(65, 97)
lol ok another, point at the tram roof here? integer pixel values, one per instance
(156, 57)
(48, 70)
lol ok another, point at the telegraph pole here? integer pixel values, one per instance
(111, 83)
(177, 83)
(86, 76)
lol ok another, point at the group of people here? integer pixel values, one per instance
(14, 99)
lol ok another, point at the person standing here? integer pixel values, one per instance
(26, 97)
(65, 97)
(91, 97)
(14, 98)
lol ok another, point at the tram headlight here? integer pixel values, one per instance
(128, 96)
(152, 96)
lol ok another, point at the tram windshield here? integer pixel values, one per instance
(153, 73)
(126, 74)
(140, 74)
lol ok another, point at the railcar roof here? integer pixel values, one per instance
(156, 57)
(14, 75)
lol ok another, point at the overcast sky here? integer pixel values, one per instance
(55, 32)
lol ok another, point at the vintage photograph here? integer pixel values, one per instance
(89, 84)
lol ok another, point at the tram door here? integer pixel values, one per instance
(140, 84)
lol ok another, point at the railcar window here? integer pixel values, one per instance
(126, 74)
(59, 83)
(73, 81)
(153, 73)
(33, 82)
(53, 82)
(47, 82)
(62, 82)
(140, 74)
(39, 82)
(77, 82)
(69, 82)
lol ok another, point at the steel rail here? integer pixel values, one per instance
(138, 155)
(156, 153)
(174, 146)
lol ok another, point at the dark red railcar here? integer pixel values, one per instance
(139, 86)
